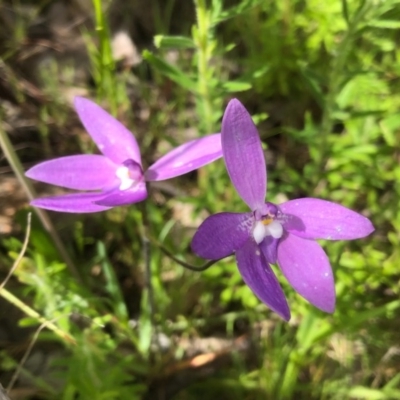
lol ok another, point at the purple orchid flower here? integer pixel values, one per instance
(115, 178)
(270, 234)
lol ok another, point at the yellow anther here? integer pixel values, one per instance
(267, 221)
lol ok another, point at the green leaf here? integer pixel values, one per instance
(236, 86)
(389, 126)
(111, 284)
(313, 82)
(173, 42)
(170, 71)
(145, 333)
(345, 11)
(362, 392)
(385, 24)
(27, 322)
(235, 11)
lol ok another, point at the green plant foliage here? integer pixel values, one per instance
(322, 80)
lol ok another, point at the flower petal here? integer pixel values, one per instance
(124, 197)
(307, 269)
(243, 154)
(222, 234)
(82, 172)
(321, 219)
(186, 158)
(71, 203)
(112, 138)
(269, 247)
(260, 278)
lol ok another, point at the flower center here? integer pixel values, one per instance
(129, 173)
(267, 224)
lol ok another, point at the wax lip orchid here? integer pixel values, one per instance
(270, 234)
(115, 178)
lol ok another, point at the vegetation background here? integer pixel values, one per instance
(80, 317)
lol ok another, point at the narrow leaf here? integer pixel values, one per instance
(236, 86)
(173, 42)
(170, 71)
(385, 24)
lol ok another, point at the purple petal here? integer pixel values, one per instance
(260, 278)
(243, 154)
(83, 172)
(306, 267)
(220, 235)
(123, 197)
(71, 203)
(269, 247)
(112, 138)
(320, 219)
(186, 158)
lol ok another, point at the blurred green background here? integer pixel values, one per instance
(322, 80)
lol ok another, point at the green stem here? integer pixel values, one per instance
(290, 377)
(106, 65)
(30, 312)
(144, 233)
(204, 53)
(21, 253)
(336, 83)
(184, 264)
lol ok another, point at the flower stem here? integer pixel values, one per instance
(185, 264)
(144, 233)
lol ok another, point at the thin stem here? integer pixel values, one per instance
(16, 166)
(106, 65)
(3, 394)
(21, 254)
(147, 268)
(204, 52)
(208, 99)
(24, 358)
(185, 264)
(30, 312)
(144, 233)
(335, 82)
